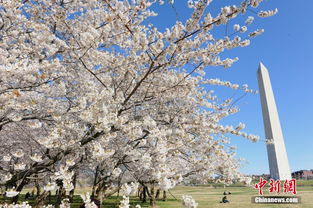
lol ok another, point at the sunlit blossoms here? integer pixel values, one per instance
(101, 153)
(256, 33)
(70, 162)
(36, 158)
(125, 202)
(35, 124)
(116, 172)
(166, 184)
(65, 175)
(249, 20)
(93, 89)
(6, 158)
(19, 166)
(19, 153)
(11, 193)
(246, 180)
(243, 29)
(268, 13)
(48, 206)
(269, 141)
(189, 202)
(87, 201)
(6, 177)
(22, 205)
(128, 189)
(50, 187)
(14, 116)
(236, 27)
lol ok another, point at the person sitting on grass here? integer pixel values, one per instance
(224, 200)
(27, 196)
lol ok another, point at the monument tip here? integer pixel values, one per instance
(261, 67)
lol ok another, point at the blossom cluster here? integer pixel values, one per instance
(268, 13)
(89, 87)
(189, 202)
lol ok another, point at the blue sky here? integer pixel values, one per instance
(286, 50)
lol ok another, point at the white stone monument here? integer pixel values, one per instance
(276, 151)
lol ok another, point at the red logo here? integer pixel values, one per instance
(274, 186)
(289, 186)
(260, 185)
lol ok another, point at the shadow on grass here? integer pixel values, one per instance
(110, 202)
(77, 201)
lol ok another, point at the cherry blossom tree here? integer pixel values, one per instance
(89, 84)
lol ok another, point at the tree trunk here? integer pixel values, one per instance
(71, 194)
(40, 200)
(144, 194)
(19, 189)
(99, 193)
(59, 196)
(38, 191)
(108, 194)
(94, 185)
(4, 193)
(140, 193)
(152, 197)
(119, 187)
(157, 195)
(49, 197)
(164, 196)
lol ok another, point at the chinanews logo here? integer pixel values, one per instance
(288, 187)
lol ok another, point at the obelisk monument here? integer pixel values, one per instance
(276, 151)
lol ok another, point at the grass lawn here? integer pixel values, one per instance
(208, 196)
(240, 197)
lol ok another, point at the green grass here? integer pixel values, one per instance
(240, 197)
(208, 196)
